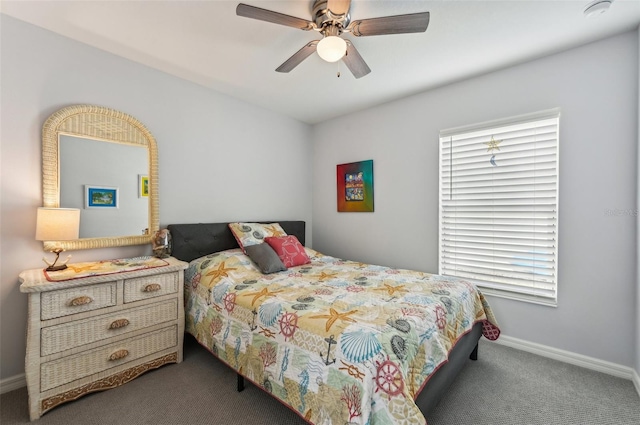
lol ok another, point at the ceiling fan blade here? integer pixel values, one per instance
(339, 7)
(399, 24)
(273, 17)
(354, 61)
(298, 57)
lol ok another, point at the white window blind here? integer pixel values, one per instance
(499, 206)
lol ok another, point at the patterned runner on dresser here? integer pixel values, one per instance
(80, 270)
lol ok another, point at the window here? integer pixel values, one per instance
(499, 206)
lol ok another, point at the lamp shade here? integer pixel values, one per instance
(57, 224)
(332, 48)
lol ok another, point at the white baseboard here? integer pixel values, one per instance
(12, 383)
(571, 358)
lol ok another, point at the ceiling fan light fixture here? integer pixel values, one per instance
(332, 48)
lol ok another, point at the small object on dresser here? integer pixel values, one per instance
(161, 244)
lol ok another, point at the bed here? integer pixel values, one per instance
(336, 341)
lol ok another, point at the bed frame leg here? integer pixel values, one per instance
(472, 356)
(240, 383)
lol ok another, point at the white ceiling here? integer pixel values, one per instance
(205, 42)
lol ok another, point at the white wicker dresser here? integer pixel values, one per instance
(97, 332)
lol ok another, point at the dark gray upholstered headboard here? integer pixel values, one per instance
(191, 241)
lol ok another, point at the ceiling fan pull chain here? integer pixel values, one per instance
(338, 68)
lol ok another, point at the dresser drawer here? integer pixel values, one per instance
(71, 368)
(150, 286)
(64, 302)
(55, 339)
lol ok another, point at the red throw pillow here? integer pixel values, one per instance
(289, 249)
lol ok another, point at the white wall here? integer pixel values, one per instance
(596, 87)
(220, 159)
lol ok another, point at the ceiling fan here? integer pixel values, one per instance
(331, 18)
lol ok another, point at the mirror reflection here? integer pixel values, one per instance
(105, 163)
(108, 182)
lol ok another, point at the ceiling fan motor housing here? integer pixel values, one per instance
(325, 19)
(331, 18)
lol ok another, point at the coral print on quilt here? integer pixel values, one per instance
(339, 342)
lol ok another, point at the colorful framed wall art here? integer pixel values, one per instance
(100, 197)
(143, 186)
(355, 186)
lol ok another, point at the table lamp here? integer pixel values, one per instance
(57, 224)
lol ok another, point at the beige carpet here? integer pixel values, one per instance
(504, 387)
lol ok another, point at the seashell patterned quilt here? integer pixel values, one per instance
(339, 342)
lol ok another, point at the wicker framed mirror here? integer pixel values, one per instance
(101, 132)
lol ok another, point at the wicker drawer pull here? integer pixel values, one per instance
(120, 354)
(83, 300)
(117, 324)
(152, 287)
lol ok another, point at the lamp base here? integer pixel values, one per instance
(56, 268)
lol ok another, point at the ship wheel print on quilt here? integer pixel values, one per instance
(230, 302)
(288, 325)
(441, 317)
(389, 378)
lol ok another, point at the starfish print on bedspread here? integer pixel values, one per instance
(221, 271)
(264, 293)
(392, 289)
(333, 316)
(322, 276)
